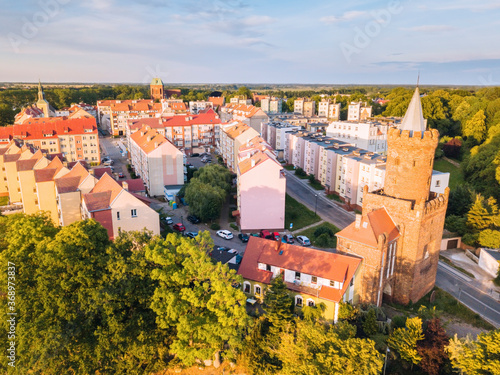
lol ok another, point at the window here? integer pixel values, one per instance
(438, 183)
(297, 275)
(311, 303)
(117, 215)
(298, 301)
(133, 212)
(314, 280)
(246, 287)
(257, 290)
(268, 267)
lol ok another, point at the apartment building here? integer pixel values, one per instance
(248, 114)
(156, 160)
(303, 106)
(233, 136)
(241, 100)
(368, 135)
(190, 133)
(328, 109)
(199, 105)
(261, 188)
(358, 111)
(271, 105)
(117, 209)
(74, 139)
(114, 114)
(274, 133)
(311, 276)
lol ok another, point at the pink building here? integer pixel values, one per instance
(261, 190)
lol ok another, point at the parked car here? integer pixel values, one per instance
(221, 248)
(287, 238)
(194, 155)
(179, 227)
(168, 220)
(243, 237)
(191, 234)
(225, 234)
(276, 236)
(121, 175)
(108, 162)
(193, 219)
(105, 159)
(303, 240)
(265, 234)
(206, 160)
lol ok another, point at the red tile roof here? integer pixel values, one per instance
(134, 186)
(50, 129)
(72, 180)
(184, 120)
(371, 226)
(331, 266)
(45, 174)
(217, 101)
(97, 201)
(98, 172)
(148, 140)
(107, 183)
(26, 164)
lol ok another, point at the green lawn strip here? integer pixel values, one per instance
(451, 264)
(4, 201)
(449, 305)
(309, 233)
(289, 167)
(334, 197)
(316, 185)
(456, 176)
(298, 214)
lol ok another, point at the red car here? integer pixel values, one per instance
(276, 236)
(179, 227)
(265, 234)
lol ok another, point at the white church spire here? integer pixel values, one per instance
(414, 119)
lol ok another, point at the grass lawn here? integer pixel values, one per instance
(446, 303)
(289, 167)
(316, 185)
(334, 197)
(309, 233)
(298, 214)
(456, 177)
(4, 201)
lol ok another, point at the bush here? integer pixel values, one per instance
(214, 226)
(300, 172)
(311, 178)
(456, 224)
(370, 326)
(323, 230)
(399, 321)
(323, 240)
(234, 226)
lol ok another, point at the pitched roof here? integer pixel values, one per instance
(217, 101)
(209, 117)
(97, 201)
(107, 183)
(236, 130)
(98, 172)
(55, 163)
(134, 186)
(46, 128)
(414, 118)
(45, 174)
(72, 180)
(371, 226)
(26, 164)
(148, 140)
(327, 265)
(256, 159)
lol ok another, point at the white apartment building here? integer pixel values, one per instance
(304, 107)
(271, 105)
(357, 112)
(199, 105)
(328, 109)
(368, 135)
(275, 134)
(232, 137)
(241, 100)
(248, 114)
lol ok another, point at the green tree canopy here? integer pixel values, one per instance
(278, 303)
(404, 340)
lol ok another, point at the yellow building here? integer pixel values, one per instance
(312, 276)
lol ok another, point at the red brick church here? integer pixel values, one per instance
(399, 232)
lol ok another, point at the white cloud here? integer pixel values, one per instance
(347, 16)
(257, 20)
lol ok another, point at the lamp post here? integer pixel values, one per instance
(386, 354)
(182, 221)
(316, 206)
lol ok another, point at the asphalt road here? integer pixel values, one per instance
(464, 289)
(111, 147)
(314, 199)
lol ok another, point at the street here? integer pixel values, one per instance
(464, 289)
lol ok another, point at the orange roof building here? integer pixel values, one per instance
(312, 276)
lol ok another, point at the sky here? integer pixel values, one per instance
(450, 42)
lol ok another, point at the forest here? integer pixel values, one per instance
(142, 304)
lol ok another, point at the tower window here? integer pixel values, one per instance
(396, 161)
(414, 163)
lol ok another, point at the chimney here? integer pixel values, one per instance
(92, 172)
(357, 224)
(253, 163)
(125, 185)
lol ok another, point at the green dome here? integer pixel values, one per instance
(156, 81)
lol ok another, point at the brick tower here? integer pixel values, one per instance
(399, 232)
(156, 89)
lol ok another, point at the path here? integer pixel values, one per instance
(307, 227)
(456, 164)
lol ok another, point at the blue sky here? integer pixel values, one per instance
(239, 41)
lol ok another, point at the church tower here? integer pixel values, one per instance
(405, 218)
(42, 103)
(156, 89)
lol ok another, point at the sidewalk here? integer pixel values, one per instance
(307, 227)
(482, 280)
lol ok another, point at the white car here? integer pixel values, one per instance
(303, 240)
(225, 234)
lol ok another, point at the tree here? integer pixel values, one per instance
(489, 238)
(309, 348)
(278, 303)
(7, 115)
(370, 323)
(205, 201)
(482, 214)
(476, 357)
(460, 200)
(475, 127)
(404, 340)
(432, 347)
(196, 298)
